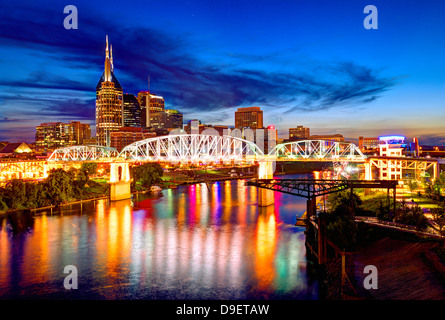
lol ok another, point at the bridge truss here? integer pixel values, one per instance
(191, 148)
(22, 170)
(83, 153)
(311, 188)
(322, 150)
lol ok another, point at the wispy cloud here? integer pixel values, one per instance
(186, 81)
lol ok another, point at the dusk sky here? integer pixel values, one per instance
(304, 62)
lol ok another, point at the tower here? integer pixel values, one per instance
(109, 101)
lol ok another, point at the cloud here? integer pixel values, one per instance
(192, 84)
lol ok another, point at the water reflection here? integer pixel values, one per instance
(196, 242)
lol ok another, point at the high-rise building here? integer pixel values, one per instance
(195, 126)
(298, 133)
(168, 119)
(153, 104)
(127, 135)
(329, 137)
(109, 102)
(79, 131)
(250, 117)
(132, 111)
(368, 143)
(53, 135)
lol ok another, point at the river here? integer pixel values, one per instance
(186, 243)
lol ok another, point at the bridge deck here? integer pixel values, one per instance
(310, 188)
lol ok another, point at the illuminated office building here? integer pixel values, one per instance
(132, 111)
(328, 137)
(109, 102)
(299, 133)
(53, 135)
(153, 104)
(250, 117)
(127, 135)
(168, 119)
(365, 143)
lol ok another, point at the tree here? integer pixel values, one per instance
(59, 186)
(89, 169)
(340, 225)
(439, 218)
(16, 194)
(413, 185)
(412, 216)
(36, 195)
(147, 174)
(3, 205)
(343, 198)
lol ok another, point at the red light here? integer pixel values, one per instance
(271, 127)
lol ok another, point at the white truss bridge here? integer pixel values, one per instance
(83, 153)
(193, 148)
(322, 150)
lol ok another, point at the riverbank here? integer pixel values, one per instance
(404, 272)
(408, 267)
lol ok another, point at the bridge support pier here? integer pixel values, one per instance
(265, 196)
(311, 207)
(322, 256)
(120, 181)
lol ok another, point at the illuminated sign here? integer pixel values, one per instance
(392, 138)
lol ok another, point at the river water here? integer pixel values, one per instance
(186, 243)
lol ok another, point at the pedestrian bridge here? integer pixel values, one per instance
(201, 148)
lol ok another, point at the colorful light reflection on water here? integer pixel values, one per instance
(196, 242)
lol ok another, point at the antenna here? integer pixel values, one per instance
(149, 83)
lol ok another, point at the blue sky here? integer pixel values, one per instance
(304, 62)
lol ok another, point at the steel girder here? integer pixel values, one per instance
(322, 150)
(310, 188)
(83, 153)
(191, 148)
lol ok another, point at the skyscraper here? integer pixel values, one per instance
(299, 132)
(53, 135)
(251, 117)
(155, 104)
(168, 119)
(132, 111)
(109, 102)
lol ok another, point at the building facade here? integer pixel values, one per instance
(149, 104)
(368, 143)
(127, 135)
(328, 137)
(132, 111)
(53, 135)
(299, 133)
(109, 102)
(168, 119)
(250, 117)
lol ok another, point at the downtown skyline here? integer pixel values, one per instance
(309, 63)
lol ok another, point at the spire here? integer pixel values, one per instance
(106, 49)
(107, 72)
(111, 58)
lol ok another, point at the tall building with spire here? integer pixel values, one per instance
(109, 102)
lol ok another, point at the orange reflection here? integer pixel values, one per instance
(37, 272)
(227, 202)
(4, 255)
(265, 246)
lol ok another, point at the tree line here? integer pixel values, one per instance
(60, 186)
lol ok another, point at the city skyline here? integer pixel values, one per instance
(308, 63)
